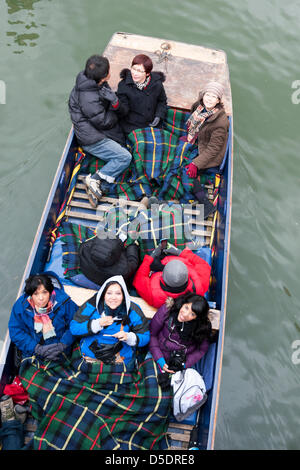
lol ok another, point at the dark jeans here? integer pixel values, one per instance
(12, 435)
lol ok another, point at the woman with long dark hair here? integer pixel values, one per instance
(180, 332)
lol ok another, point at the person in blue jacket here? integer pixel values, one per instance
(111, 325)
(40, 319)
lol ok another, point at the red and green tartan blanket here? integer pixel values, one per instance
(93, 406)
(158, 163)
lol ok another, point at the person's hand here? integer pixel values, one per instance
(157, 251)
(121, 335)
(54, 354)
(108, 95)
(106, 321)
(155, 122)
(45, 349)
(166, 369)
(192, 170)
(189, 138)
(172, 250)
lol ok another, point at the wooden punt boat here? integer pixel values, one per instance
(186, 67)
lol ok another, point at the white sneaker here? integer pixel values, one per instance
(93, 186)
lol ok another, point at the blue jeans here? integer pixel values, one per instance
(116, 156)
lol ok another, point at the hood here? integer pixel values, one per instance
(119, 280)
(125, 74)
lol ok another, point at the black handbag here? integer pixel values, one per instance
(106, 352)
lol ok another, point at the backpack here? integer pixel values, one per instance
(189, 393)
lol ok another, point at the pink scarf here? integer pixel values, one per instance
(42, 321)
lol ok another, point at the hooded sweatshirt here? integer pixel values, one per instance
(84, 324)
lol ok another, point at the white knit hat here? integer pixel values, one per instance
(214, 87)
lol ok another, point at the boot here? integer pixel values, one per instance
(21, 412)
(200, 194)
(7, 408)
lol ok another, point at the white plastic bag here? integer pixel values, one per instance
(189, 393)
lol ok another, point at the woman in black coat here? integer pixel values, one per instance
(142, 97)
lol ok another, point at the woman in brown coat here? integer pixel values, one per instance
(209, 124)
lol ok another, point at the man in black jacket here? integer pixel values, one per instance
(92, 106)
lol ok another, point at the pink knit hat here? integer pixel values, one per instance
(214, 87)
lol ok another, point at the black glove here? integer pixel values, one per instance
(44, 350)
(172, 250)
(54, 354)
(157, 265)
(157, 252)
(108, 95)
(155, 122)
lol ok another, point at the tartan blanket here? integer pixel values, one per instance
(158, 163)
(93, 406)
(148, 226)
(72, 235)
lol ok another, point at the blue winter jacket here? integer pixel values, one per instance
(21, 323)
(92, 309)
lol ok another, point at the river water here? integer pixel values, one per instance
(43, 45)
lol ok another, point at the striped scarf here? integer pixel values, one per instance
(42, 321)
(196, 120)
(143, 85)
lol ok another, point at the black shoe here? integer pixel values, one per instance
(209, 208)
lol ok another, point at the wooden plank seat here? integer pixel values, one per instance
(179, 435)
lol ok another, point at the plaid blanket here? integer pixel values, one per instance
(158, 163)
(92, 406)
(147, 227)
(72, 235)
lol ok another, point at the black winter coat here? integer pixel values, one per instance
(102, 259)
(93, 116)
(137, 108)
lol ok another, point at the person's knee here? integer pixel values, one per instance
(126, 158)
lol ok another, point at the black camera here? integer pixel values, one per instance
(177, 360)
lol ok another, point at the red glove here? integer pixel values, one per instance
(192, 170)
